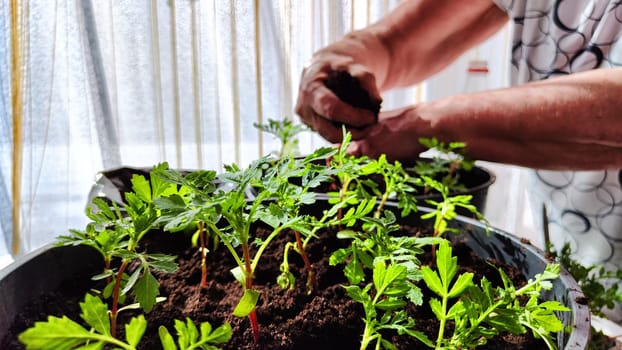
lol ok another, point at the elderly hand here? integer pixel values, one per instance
(321, 109)
(396, 134)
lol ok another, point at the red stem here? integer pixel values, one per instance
(115, 299)
(254, 325)
(249, 285)
(310, 273)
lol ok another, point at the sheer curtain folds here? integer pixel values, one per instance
(90, 85)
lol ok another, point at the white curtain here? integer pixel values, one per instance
(105, 83)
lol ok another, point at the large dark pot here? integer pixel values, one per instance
(52, 267)
(476, 182)
(530, 260)
(113, 183)
(45, 269)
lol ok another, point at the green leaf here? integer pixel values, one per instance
(390, 304)
(146, 291)
(507, 320)
(132, 281)
(163, 263)
(354, 272)
(456, 310)
(168, 343)
(247, 303)
(95, 314)
(435, 305)
(379, 273)
(187, 333)
(446, 264)
(141, 188)
(220, 335)
(55, 334)
(239, 275)
(357, 294)
(339, 256)
(464, 281)
(432, 280)
(135, 330)
(419, 336)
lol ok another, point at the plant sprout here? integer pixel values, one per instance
(286, 131)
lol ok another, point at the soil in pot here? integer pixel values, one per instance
(289, 319)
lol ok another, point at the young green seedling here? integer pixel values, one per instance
(239, 214)
(114, 234)
(189, 337)
(348, 171)
(101, 233)
(396, 183)
(142, 216)
(286, 131)
(64, 333)
(445, 164)
(481, 312)
(599, 285)
(383, 302)
(376, 240)
(445, 210)
(186, 208)
(289, 197)
(441, 283)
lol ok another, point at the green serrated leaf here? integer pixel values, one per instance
(135, 330)
(219, 335)
(446, 264)
(464, 281)
(435, 306)
(432, 280)
(456, 310)
(141, 187)
(390, 304)
(168, 343)
(55, 333)
(356, 293)
(132, 281)
(247, 303)
(95, 314)
(339, 256)
(187, 333)
(146, 291)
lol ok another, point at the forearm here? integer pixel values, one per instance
(421, 37)
(561, 123)
(418, 39)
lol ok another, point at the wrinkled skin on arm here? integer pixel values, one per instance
(416, 40)
(571, 122)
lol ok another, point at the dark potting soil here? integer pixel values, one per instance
(289, 319)
(350, 91)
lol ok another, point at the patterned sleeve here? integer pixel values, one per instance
(505, 5)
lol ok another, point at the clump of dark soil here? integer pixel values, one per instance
(289, 319)
(350, 91)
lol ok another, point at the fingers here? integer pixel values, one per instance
(326, 104)
(322, 110)
(393, 135)
(332, 131)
